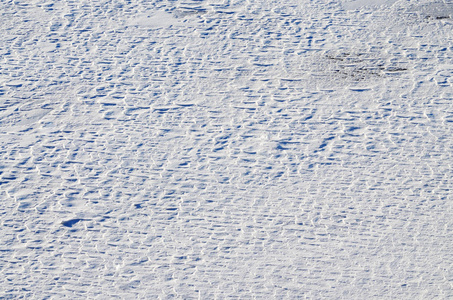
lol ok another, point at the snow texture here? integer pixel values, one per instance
(226, 149)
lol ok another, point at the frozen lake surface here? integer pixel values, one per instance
(226, 149)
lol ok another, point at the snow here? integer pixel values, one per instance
(226, 149)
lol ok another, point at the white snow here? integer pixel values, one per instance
(226, 149)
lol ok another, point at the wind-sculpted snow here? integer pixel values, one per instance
(226, 149)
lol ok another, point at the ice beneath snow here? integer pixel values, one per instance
(226, 149)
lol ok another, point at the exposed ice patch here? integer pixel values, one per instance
(46, 46)
(185, 12)
(357, 4)
(19, 120)
(154, 20)
(350, 68)
(435, 10)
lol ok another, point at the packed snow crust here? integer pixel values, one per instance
(226, 149)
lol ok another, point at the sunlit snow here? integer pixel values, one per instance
(226, 149)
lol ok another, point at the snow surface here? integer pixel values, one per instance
(226, 149)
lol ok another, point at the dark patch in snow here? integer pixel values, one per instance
(71, 222)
